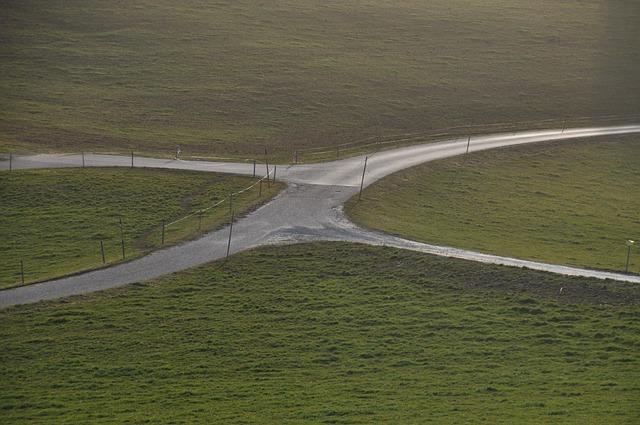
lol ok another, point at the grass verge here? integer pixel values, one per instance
(572, 203)
(53, 220)
(329, 333)
(226, 78)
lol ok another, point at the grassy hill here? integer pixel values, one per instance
(573, 202)
(329, 333)
(54, 220)
(226, 78)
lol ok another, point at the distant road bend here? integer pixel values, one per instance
(309, 209)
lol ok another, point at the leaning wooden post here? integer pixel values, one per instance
(10, 161)
(266, 162)
(362, 182)
(467, 152)
(102, 252)
(230, 230)
(254, 168)
(131, 159)
(122, 237)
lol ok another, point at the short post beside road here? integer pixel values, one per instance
(122, 237)
(266, 162)
(10, 161)
(82, 159)
(260, 190)
(467, 152)
(22, 271)
(254, 168)
(275, 169)
(630, 243)
(364, 170)
(104, 260)
(230, 231)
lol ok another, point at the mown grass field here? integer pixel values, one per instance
(225, 78)
(571, 203)
(54, 220)
(329, 333)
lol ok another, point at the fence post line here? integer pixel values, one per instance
(163, 232)
(364, 170)
(254, 168)
(22, 271)
(82, 159)
(230, 230)
(102, 252)
(131, 159)
(122, 237)
(10, 161)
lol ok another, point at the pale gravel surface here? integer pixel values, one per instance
(310, 209)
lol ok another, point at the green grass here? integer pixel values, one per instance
(54, 220)
(226, 78)
(329, 333)
(572, 203)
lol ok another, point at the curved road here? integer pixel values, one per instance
(310, 209)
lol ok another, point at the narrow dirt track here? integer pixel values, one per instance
(310, 209)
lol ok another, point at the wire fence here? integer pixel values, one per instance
(376, 143)
(116, 244)
(363, 146)
(204, 219)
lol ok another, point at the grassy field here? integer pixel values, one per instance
(572, 203)
(54, 220)
(225, 78)
(329, 333)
